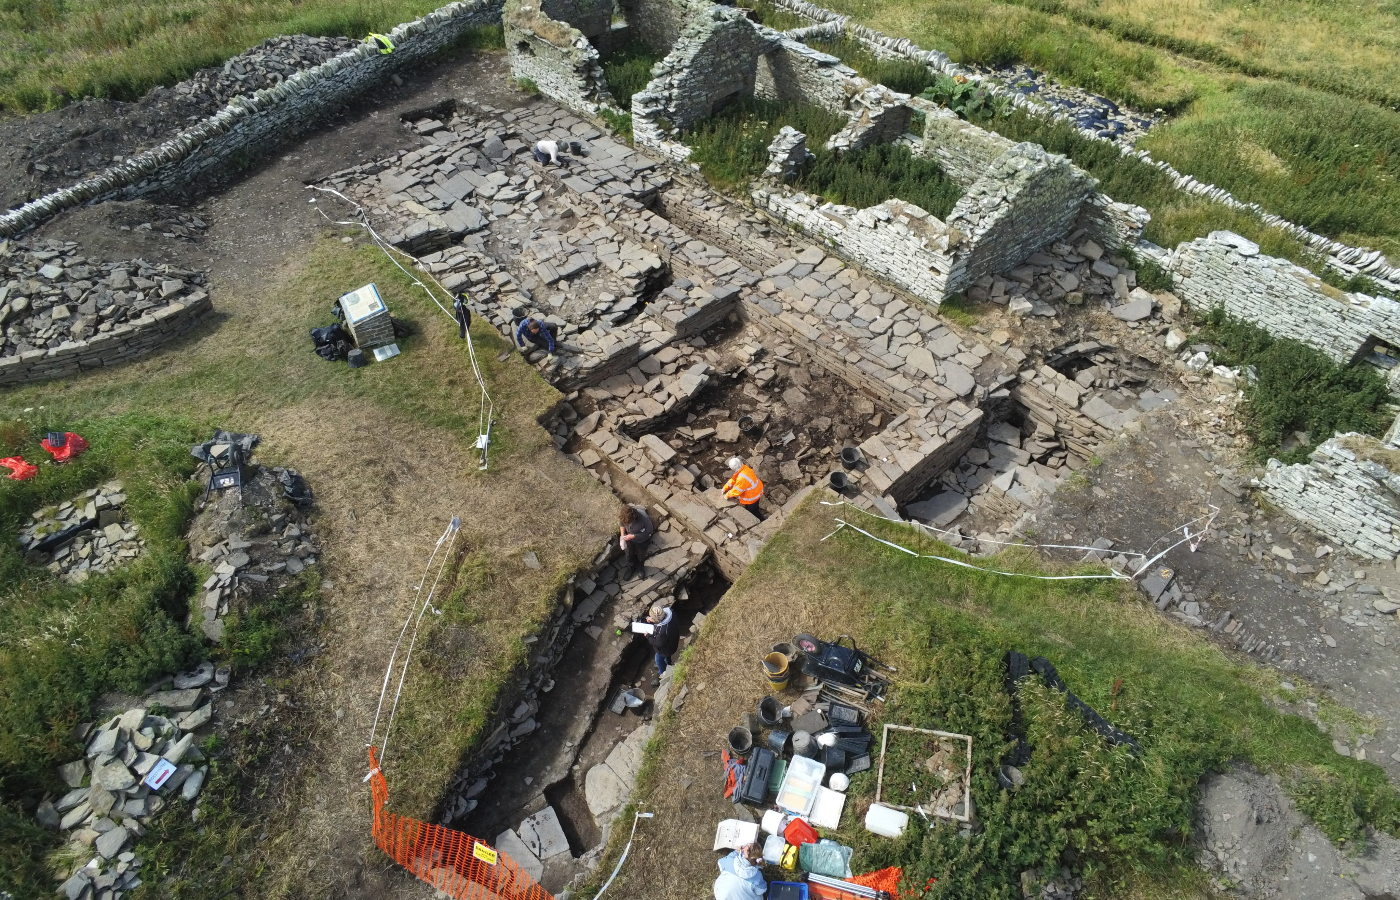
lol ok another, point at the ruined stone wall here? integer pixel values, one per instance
(1025, 200)
(1225, 270)
(714, 61)
(659, 23)
(124, 342)
(895, 240)
(1348, 492)
(557, 58)
(962, 150)
(591, 17)
(1112, 224)
(792, 71)
(251, 126)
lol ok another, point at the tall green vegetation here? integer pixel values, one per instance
(1297, 388)
(732, 150)
(628, 70)
(896, 74)
(875, 174)
(731, 147)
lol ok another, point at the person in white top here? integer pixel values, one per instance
(547, 152)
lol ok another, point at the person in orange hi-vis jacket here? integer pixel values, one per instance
(745, 486)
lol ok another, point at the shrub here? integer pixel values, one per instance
(731, 147)
(628, 70)
(770, 14)
(619, 122)
(862, 178)
(1298, 388)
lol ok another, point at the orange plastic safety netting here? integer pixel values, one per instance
(457, 864)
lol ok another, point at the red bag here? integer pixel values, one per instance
(73, 446)
(19, 469)
(800, 832)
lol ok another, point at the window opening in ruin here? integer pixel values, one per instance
(524, 48)
(1381, 354)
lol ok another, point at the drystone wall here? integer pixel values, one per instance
(1342, 257)
(1024, 201)
(659, 23)
(1225, 270)
(894, 239)
(714, 61)
(962, 150)
(591, 17)
(250, 126)
(792, 71)
(124, 342)
(557, 57)
(1348, 492)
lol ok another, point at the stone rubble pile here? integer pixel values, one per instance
(110, 805)
(256, 540)
(174, 224)
(264, 66)
(107, 541)
(50, 295)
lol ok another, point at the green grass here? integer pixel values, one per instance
(61, 646)
(1299, 388)
(731, 149)
(55, 52)
(1310, 135)
(775, 17)
(896, 74)
(628, 70)
(1124, 821)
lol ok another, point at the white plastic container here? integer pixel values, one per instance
(799, 788)
(773, 822)
(884, 821)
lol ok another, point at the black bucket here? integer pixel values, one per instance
(850, 457)
(740, 740)
(803, 744)
(747, 425)
(839, 481)
(778, 741)
(770, 711)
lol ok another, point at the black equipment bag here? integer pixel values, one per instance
(831, 662)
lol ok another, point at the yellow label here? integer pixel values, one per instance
(484, 853)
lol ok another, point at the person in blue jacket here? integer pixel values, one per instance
(739, 875)
(536, 332)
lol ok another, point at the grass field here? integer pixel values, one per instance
(62, 646)
(56, 51)
(1126, 820)
(1291, 105)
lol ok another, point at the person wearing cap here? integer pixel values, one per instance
(546, 152)
(740, 877)
(634, 533)
(745, 486)
(463, 314)
(663, 638)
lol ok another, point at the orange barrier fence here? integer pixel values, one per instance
(455, 863)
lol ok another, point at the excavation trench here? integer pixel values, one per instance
(575, 728)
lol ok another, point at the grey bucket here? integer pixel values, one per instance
(740, 740)
(839, 481)
(803, 744)
(770, 711)
(850, 457)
